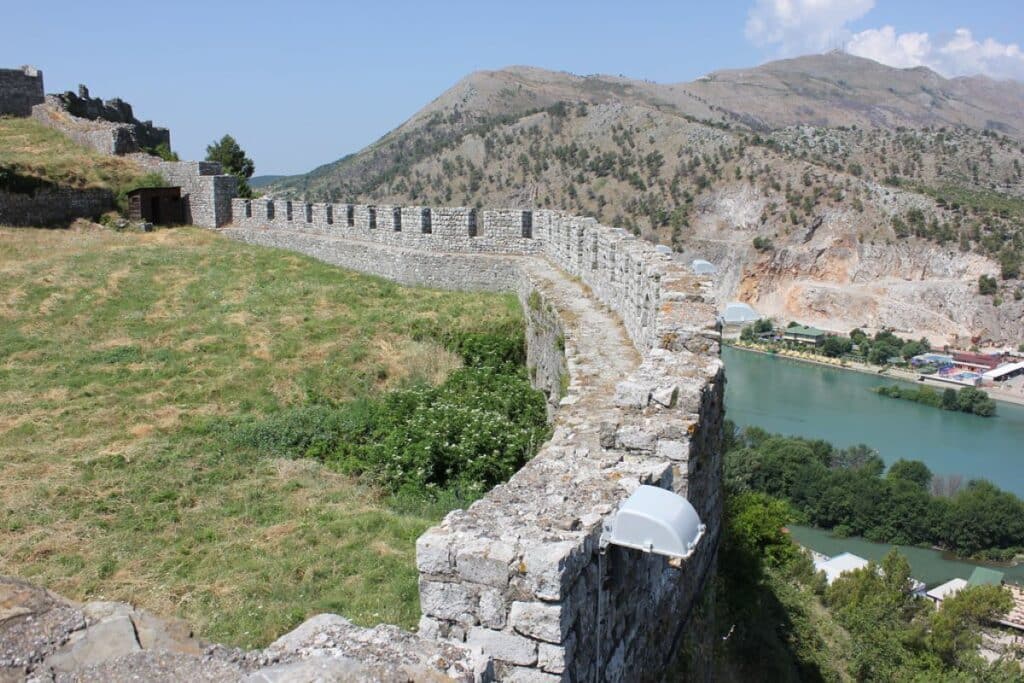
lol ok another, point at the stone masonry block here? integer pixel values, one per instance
(485, 561)
(631, 395)
(543, 621)
(665, 396)
(445, 600)
(636, 438)
(519, 674)
(493, 610)
(506, 647)
(552, 567)
(554, 658)
(433, 552)
(673, 450)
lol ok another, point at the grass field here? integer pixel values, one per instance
(31, 149)
(117, 353)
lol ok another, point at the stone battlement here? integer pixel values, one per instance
(20, 90)
(622, 340)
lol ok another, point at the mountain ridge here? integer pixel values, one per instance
(800, 177)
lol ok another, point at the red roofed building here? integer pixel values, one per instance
(983, 361)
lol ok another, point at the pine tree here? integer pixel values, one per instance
(233, 160)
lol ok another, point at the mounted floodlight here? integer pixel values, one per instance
(655, 520)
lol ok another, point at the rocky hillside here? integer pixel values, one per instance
(829, 189)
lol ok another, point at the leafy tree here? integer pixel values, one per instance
(987, 285)
(913, 471)
(234, 161)
(981, 517)
(857, 457)
(756, 523)
(873, 606)
(881, 351)
(955, 627)
(844, 489)
(911, 349)
(835, 346)
(1009, 264)
(949, 399)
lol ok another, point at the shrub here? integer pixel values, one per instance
(987, 285)
(466, 435)
(163, 150)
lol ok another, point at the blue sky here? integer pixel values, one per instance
(304, 83)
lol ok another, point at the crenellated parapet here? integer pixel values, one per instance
(622, 339)
(450, 229)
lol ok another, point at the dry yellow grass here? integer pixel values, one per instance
(119, 351)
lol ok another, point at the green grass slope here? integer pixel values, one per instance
(121, 354)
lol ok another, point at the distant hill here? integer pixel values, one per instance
(877, 195)
(258, 181)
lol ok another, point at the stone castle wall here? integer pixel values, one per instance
(206, 193)
(521, 574)
(20, 90)
(107, 127)
(132, 135)
(53, 206)
(418, 227)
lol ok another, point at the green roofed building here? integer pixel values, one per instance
(804, 335)
(983, 576)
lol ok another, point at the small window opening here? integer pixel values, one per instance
(397, 215)
(425, 221)
(373, 217)
(472, 223)
(528, 224)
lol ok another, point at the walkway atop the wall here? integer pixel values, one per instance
(518, 573)
(598, 351)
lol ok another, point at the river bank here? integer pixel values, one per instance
(800, 398)
(873, 370)
(931, 566)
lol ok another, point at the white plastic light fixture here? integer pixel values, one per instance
(657, 521)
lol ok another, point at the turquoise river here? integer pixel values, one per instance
(802, 399)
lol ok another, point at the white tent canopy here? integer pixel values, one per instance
(839, 565)
(739, 313)
(1002, 370)
(951, 587)
(702, 267)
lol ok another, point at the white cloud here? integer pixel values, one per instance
(801, 26)
(795, 27)
(957, 55)
(883, 45)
